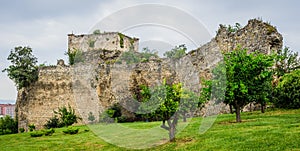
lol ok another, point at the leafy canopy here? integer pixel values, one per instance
(23, 68)
(245, 72)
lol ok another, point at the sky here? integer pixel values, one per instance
(44, 25)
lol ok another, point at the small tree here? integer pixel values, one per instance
(164, 102)
(177, 52)
(91, 117)
(286, 62)
(23, 68)
(287, 93)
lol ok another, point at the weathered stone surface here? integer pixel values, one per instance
(95, 82)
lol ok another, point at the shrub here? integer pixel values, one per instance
(49, 132)
(97, 32)
(71, 130)
(36, 134)
(286, 94)
(52, 123)
(122, 119)
(67, 117)
(22, 130)
(91, 117)
(8, 125)
(31, 127)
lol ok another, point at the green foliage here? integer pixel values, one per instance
(97, 32)
(71, 130)
(234, 28)
(67, 116)
(22, 130)
(177, 52)
(23, 68)
(167, 103)
(114, 111)
(91, 117)
(49, 132)
(53, 122)
(121, 39)
(31, 127)
(91, 43)
(75, 56)
(205, 92)
(62, 117)
(111, 115)
(8, 125)
(245, 73)
(287, 94)
(36, 133)
(132, 57)
(286, 62)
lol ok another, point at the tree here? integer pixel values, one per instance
(168, 103)
(286, 62)
(287, 93)
(177, 52)
(245, 73)
(23, 68)
(91, 117)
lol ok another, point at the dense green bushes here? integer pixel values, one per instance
(71, 130)
(67, 117)
(287, 94)
(8, 125)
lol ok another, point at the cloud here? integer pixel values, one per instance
(44, 25)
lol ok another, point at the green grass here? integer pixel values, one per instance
(273, 130)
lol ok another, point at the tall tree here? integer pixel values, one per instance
(245, 73)
(23, 68)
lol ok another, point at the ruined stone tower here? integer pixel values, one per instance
(97, 82)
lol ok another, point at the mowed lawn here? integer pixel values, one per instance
(273, 130)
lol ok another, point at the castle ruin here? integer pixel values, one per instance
(98, 82)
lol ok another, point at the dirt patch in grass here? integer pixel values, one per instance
(184, 141)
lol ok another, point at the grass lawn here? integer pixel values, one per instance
(273, 130)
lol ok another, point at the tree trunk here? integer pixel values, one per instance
(230, 107)
(172, 133)
(238, 114)
(262, 107)
(172, 128)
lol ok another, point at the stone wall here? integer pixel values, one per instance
(102, 41)
(53, 89)
(96, 83)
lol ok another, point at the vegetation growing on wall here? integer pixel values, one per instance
(97, 32)
(121, 36)
(91, 43)
(132, 57)
(177, 52)
(74, 56)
